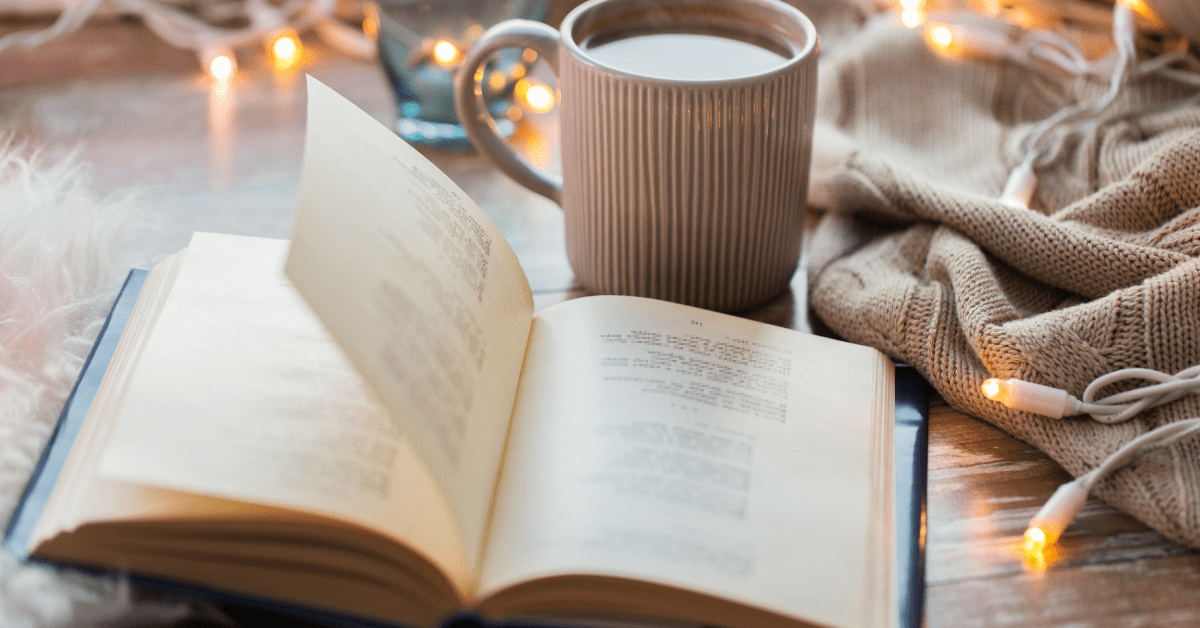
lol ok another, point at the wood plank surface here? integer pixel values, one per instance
(199, 157)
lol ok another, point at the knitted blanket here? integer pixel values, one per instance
(916, 256)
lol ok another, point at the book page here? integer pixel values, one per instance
(420, 289)
(661, 442)
(241, 393)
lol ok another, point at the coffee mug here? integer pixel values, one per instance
(686, 142)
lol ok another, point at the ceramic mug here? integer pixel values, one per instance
(686, 142)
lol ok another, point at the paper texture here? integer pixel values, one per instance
(421, 291)
(687, 447)
(241, 393)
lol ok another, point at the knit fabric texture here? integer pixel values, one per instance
(916, 256)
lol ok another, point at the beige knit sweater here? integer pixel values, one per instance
(917, 257)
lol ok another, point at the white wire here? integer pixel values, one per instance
(1042, 45)
(1122, 406)
(1045, 141)
(69, 20)
(183, 28)
(1083, 113)
(1159, 437)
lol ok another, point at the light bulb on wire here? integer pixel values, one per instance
(534, 96)
(940, 37)
(540, 98)
(1143, 11)
(222, 67)
(445, 53)
(1056, 514)
(285, 50)
(912, 12)
(219, 63)
(968, 41)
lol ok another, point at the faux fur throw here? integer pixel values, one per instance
(917, 257)
(58, 277)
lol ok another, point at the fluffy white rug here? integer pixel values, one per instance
(59, 272)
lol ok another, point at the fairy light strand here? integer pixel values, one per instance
(1041, 146)
(188, 29)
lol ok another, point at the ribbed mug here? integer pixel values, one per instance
(683, 179)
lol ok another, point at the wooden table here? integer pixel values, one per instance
(202, 158)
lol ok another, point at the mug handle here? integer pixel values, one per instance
(468, 101)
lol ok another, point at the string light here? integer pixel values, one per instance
(221, 67)
(188, 26)
(1116, 408)
(496, 81)
(286, 50)
(940, 37)
(962, 41)
(1030, 397)
(1035, 540)
(1066, 502)
(1143, 11)
(370, 25)
(912, 12)
(220, 63)
(540, 98)
(445, 53)
(1053, 518)
(534, 96)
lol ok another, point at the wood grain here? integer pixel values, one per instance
(1106, 570)
(198, 158)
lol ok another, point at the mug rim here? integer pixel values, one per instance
(802, 54)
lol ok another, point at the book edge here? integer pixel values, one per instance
(911, 438)
(46, 472)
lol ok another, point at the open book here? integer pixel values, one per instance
(428, 445)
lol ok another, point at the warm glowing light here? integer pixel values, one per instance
(941, 36)
(518, 71)
(1036, 562)
(286, 50)
(370, 26)
(1138, 6)
(529, 56)
(222, 66)
(534, 144)
(910, 5)
(445, 53)
(1144, 11)
(514, 113)
(1035, 540)
(991, 388)
(539, 98)
(222, 96)
(496, 81)
(911, 18)
(535, 96)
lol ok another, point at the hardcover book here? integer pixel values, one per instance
(369, 424)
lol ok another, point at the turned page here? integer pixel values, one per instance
(420, 289)
(240, 393)
(661, 442)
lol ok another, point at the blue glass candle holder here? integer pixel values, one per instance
(422, 43)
